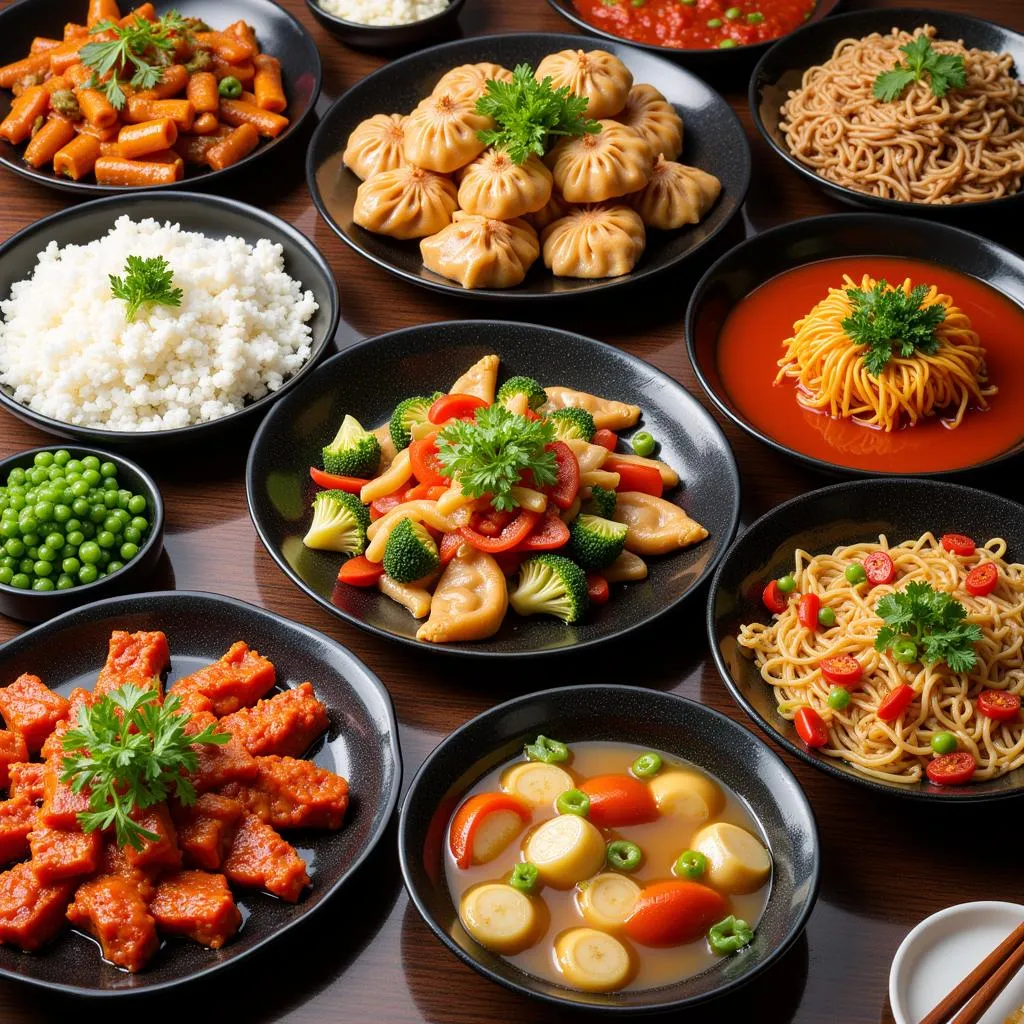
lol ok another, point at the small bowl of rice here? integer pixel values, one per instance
(387, 24)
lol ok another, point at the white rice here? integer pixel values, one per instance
(383, 12)
(69, 353)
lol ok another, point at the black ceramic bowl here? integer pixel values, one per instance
(388, 37)
(361, 744)
(782, 67)
(817, 522)
(419, 360)
(763, 256)
(37, 605)
(213, 216)
(714, 141)
(278, 33)
(647, 718)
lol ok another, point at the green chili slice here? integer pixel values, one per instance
(623, 855)
(690, 864)
(729, 935)
(573, 801)
(547, 750)
(647, 765)
(524, 877)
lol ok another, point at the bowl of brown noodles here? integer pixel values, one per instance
(906, 109)
(908, 676)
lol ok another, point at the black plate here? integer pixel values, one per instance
(388, 37)
(818, 522)
(361, 744)
(782, 67)
(277, 31)
(215, 217)
(632, 715)
(770, 253)
(368, 381)
(713, 141)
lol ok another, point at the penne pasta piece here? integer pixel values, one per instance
(103, 134)
(244, 72)
(206, 124)
(72, 30)
(31, 104)
(397, 474)
(135, 140)
(600, 478)
(267, 84)
(235, 112)
(78, 157)
(144, 12)
(202, 92)
(234, 147)
(173, 82)
(43, 44)
(53, 136)
(227, 46)
(115, 170)
(419, 511)
(244, 31)
(452, 499)
(139, 109)
(34, 66)
(102, 10)
(413, 596)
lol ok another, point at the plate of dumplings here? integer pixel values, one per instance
(523, 166)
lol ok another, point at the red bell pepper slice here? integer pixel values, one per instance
(382, 506)
(426, 465)
(449, 546)
(567, 475)
(512, 535)
(597, 588)
(351, 484)
(455, 407)
(645, 479)
(548, 535)
(490, 522)
(429, 492)
(605, 438)
(360, 572)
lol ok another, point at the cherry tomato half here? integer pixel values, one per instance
(567, 479)
(810, 727)
(841, 669)
(605, 438)
(999, 705)
(773, 598)
(958, 544)
(879, 568)
(807, 611)
(952, 769)
(895, 703)
(455, 407)
(982, 579)
(597, 588)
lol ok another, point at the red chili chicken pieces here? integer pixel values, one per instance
(285, 724)
(206, 829)
(31, 709)
(31, 913)
(197, 905)
(136, 658)
(261, 859)
(112, 911)
(237, 680)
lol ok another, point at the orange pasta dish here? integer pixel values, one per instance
(132, 100)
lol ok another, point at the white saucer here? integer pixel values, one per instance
(945, 948)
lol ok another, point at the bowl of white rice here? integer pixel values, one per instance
(250, 306)
(387, 24)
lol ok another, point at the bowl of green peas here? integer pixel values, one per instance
(76, 524)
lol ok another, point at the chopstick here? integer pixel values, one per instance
(984, 983)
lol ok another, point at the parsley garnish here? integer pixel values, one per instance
(145, 280)
(932, 622)
(489, 455)
(889, 320)
(528, 112)
(945, 71)
(131, 751)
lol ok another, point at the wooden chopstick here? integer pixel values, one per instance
(993, 966)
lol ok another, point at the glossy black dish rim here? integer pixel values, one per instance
(156, 527)
(839, 221)
(924, 15)
(266, 145)
(515, 295)
(150, 600)
(257, 216)
(919, 794)
(467, 650)
(510, 707)
(356, 28)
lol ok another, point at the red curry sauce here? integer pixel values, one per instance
(750, 344)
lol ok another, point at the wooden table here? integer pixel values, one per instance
(368, 956)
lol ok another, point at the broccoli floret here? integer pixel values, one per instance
(551, 585)
(410, 552)
(406, 415)
(535, 395)
(601, 503)
(595, 542)
(572, 424)
(339, 523)
(353, 452)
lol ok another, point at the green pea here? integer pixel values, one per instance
(89, 552)
(17, 502)
(9, 529)
(70, 566)
(714, 23)
(110, 484)
(37, 475)
(838, 698)
(131, 535)
(31, 539)
(92, 477)
(647, 765)
(230, 87)
(727, 44)
(27, 566)
(690, 864)
(97, 514)
(15, 547)
(80, 506)
(113, 566)
(45, 553)
(904, 650)
(826, 617)
(21, 580)
(755, 18)
(43, 583)
(33, 552)
(88, 530)
(54, 540)
(88, 574)
(91, 462)
(6, 574)
(61, 513)
(944, 743)
(73, 466)
(43, 568)
(43, 459)
(16, 476)
(137, 504)
(623, 855)
(76, 538)
(109, 500)
(129, 551)
(123, 497)
(787, 584)
(524, 877)
(733, 13)
(64, 582)
(79, 489)
(855, 573)
(573, 801)
(690, 3)
(112, 524)
(104, 561)
(28, 522)
(105, 539)
(108, 469)
(643, 443)
(62, 457)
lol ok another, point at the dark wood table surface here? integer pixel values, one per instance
(367, 956)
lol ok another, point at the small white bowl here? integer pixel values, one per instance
(945, 948)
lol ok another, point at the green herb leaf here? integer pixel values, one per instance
(529, 113)
(945, 71)
(145, 281)
(131, 752)
(489, 455)
(888, 320)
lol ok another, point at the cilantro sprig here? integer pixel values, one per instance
(131, 752)
(889, 320)
(145, 281)
(945, 71)
(528, 113)
(489, 455)
(925, 624)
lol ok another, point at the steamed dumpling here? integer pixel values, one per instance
(598, 75)
(654, 119)
(479, 252)
(407, 202)
(675, 195)
(376, 145)
(591, 168)
(493, 186)
(603, 240)
(468, 82)
(441, 133)
(554, 208)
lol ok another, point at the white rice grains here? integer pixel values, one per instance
(68, 351)
(383, 12)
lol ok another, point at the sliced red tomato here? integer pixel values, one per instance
(895, 703)
(351, 484)
(469, 839)
(773, 598)
(879, 569)
(567, 475)
(952, 769)
(531, 415)
(841, 669)
(810, 727)
(958, 543)
(511, 536)
(999, 705)
(455, 407)
(426, 466)
(360, 572)
(645, 479)
(597, 588)
(490, 522)
(605, 438)
(430, 492)
(449, 546)
(548, 535)
(509, 561)
(619, 800)
(673, 913)
(807, 609)
(382, 506)
(982, 579)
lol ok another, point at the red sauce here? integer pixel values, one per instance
(696, 24)
(750, 344)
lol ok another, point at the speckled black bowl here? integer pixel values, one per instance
(361, 744)
(369, 379)
(37, 605)
(782, 67)
(647, 718)
(277, 31)
(819, 521)
(714, 141)
(389, 37)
